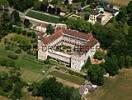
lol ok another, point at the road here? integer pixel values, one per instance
(32, 20)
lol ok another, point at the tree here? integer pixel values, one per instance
(37, 5)
(87, 64)
(101, 33)
(27, 23)
(89, 1)
(66, 2)
(129, 7)
(50, 29)
(15, 18)
(128, 61)
(86, 16)
(129, 12)
(11, 84)
(11, 2)
(50, 9)
(79, 24)
(121, 61)
(52, 90)
(21, 5)
(58, 10)
(55, 2)
(111, 65)
(44, 7)
(5, 25)
(125, 28)
(95, 74)
(122, 16)
(128, 50)
(53, 10)
(99, 55)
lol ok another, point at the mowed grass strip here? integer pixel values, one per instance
(68, 77)
(43, 16)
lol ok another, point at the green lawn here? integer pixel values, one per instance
(30, 68)
(117, 88)
(68, 77)
(43, 16)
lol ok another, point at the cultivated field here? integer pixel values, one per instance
(117, 88)
(119, 2)
(43, 16)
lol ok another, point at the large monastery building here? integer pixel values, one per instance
(69, 46)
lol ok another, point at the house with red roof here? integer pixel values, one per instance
(69, 46)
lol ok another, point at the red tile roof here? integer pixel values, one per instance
(61, 31)
(78, 34)
(89, 45)
(53, 37)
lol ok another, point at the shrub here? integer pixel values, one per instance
(7, 62)
(29, 34)
(13, 56)
(99, 55)
(76, 73)
(7, 47)
(2, 62)
(47, 61)
(10, 63)
(18, 51)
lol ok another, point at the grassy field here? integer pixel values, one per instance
(30, 68)
(117, 88)
(43, 16)
(119, 2)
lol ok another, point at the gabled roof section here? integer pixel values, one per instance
(73, 33)
(78, 34)
(53, 37)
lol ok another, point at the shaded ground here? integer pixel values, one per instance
(3, 98)
(117, 88)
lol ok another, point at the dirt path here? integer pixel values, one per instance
(68, 83)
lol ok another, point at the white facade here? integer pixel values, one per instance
(75, 60)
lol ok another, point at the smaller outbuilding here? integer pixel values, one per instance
(87, 88)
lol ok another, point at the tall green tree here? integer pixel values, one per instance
(52, 90)
(21, 5)
(50, 29)
(5, 25)
(128, 61)
(95, 74)
(79, 24)
(27, 23)
(15, 18)
(111, 65)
